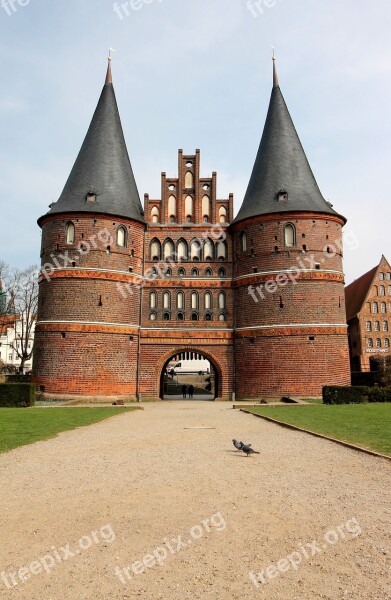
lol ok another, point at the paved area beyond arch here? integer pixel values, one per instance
(158, 504)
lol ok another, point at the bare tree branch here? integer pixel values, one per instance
(21, 308)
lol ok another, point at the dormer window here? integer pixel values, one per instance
(282, 196)
(91, 197)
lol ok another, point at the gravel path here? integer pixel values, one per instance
(168, 477)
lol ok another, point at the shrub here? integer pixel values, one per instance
(380, 394)
(333, 394)
(383, 368)
(17, 394)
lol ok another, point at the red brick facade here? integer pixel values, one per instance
(368, 306)
(113, 311)
(290, 323)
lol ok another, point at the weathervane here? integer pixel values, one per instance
(110, 51)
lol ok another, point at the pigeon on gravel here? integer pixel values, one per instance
(239, 445)
(248, 450)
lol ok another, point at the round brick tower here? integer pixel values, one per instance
(290, 330)
(87, 334)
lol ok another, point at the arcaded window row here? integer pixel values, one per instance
(196, 301)
(206, 206)
(378, 343)
(376, 326)
(196, 250)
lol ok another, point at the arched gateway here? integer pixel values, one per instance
(158, 382)
(190, 369)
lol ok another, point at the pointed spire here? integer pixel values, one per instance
(282, 179)
(102, 180)
(275, 75)
(109, 78)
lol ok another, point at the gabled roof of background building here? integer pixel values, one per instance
(357, 291)
(281, 166)
(102, 167)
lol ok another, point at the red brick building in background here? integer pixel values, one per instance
(368, 310)
(124, 290)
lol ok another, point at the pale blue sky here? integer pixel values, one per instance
(197, 74)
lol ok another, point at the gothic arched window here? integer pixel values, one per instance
(155, 250)
(243, 241)
(189, 208)
(168, 249)
(152, 300)
(182, 250)
(289, 235)
(222, 214)
(206, 207)
(155, 214)
(180, 301)
(189, 180)
(70, 233)
(208, 301)
(121, 236)
(171, 207)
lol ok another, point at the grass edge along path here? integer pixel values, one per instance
(23, 426)
(363, 426)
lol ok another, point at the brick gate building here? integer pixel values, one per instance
(124, 289)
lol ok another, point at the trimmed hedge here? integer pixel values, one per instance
(18, 378)
(17, 394)
(355, 394)
(333, 394)
(380, 394)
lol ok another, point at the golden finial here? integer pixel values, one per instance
(109, 78)
(275, 76)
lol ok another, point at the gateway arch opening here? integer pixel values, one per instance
(188, 376)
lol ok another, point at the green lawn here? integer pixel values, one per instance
(21, 426)
(366, 425)
(313, 400)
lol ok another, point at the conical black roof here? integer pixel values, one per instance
(102, 167)
(282, 179)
